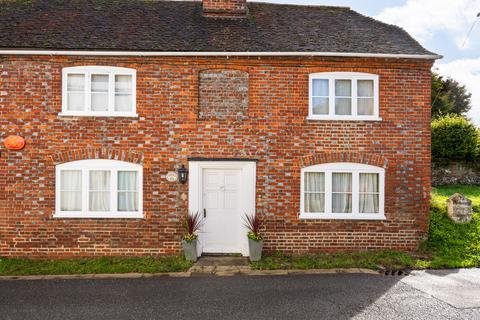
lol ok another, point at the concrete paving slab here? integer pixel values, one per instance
(458, 287)
(221, 265)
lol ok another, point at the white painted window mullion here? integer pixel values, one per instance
(355, 192)
(85, 190)
(331, 98)
(111, 92)
(113, 191)
(354, 97)
(88, 92)
(328, 191)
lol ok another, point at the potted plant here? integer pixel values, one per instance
(255, 240)
(191, 224)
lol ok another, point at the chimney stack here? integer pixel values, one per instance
(225, 8)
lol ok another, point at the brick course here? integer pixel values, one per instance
(169, 130)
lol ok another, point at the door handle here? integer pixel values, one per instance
(204, 212)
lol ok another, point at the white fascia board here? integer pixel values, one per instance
(222, 54)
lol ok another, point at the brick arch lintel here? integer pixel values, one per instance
(96, 153)
(354, 157)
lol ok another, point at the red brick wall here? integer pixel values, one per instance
(168, 131)
(223, 93)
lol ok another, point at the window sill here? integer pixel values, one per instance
(346, 118)
(99, 215)
(99, 114)
(343, 216)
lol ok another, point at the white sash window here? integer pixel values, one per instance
(342, 191)
(99, 91)
(99, 189)
(343, 96)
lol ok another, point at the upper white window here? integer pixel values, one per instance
(99, 91)
(343, 191)
(343, 96)
(99, 189)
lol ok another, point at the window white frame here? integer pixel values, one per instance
(85, 166)
(354, 77)
(344, 167)
(87, 71)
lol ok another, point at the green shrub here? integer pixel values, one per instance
(454, 138)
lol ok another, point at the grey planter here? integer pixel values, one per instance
(190, 250)
(255, 248)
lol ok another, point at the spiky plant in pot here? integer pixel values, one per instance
(191, 224)
(255, 239)
(253, 224)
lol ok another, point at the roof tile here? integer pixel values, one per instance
(175, 26)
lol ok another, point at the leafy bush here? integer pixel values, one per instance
(454, 138)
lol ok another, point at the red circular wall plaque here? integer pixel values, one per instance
(14, 142)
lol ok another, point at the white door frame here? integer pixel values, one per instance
(248, 187)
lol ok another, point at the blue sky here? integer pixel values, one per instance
(439, 25)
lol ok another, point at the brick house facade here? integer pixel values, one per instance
(182, 119)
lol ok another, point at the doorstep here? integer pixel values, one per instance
(220, 265)
(220, 271)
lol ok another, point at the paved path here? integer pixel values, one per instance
(333, 296)
(220, 265)
(458, 287)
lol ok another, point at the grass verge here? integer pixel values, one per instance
(370, 260)
(10, 267)
(453, 245)
(449, 245)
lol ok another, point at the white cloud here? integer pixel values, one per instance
(467, 72)
(424, 18)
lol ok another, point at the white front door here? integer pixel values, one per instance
(222, 192)
(222, 215)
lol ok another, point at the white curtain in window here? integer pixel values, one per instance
(343, 94)
(341, 192)
(365, 97)
(369, 192)
(76, 92)
(71, 190)
(123, 93)
(99, 194)
(127, 191)
(314, 192)
(99, 92)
